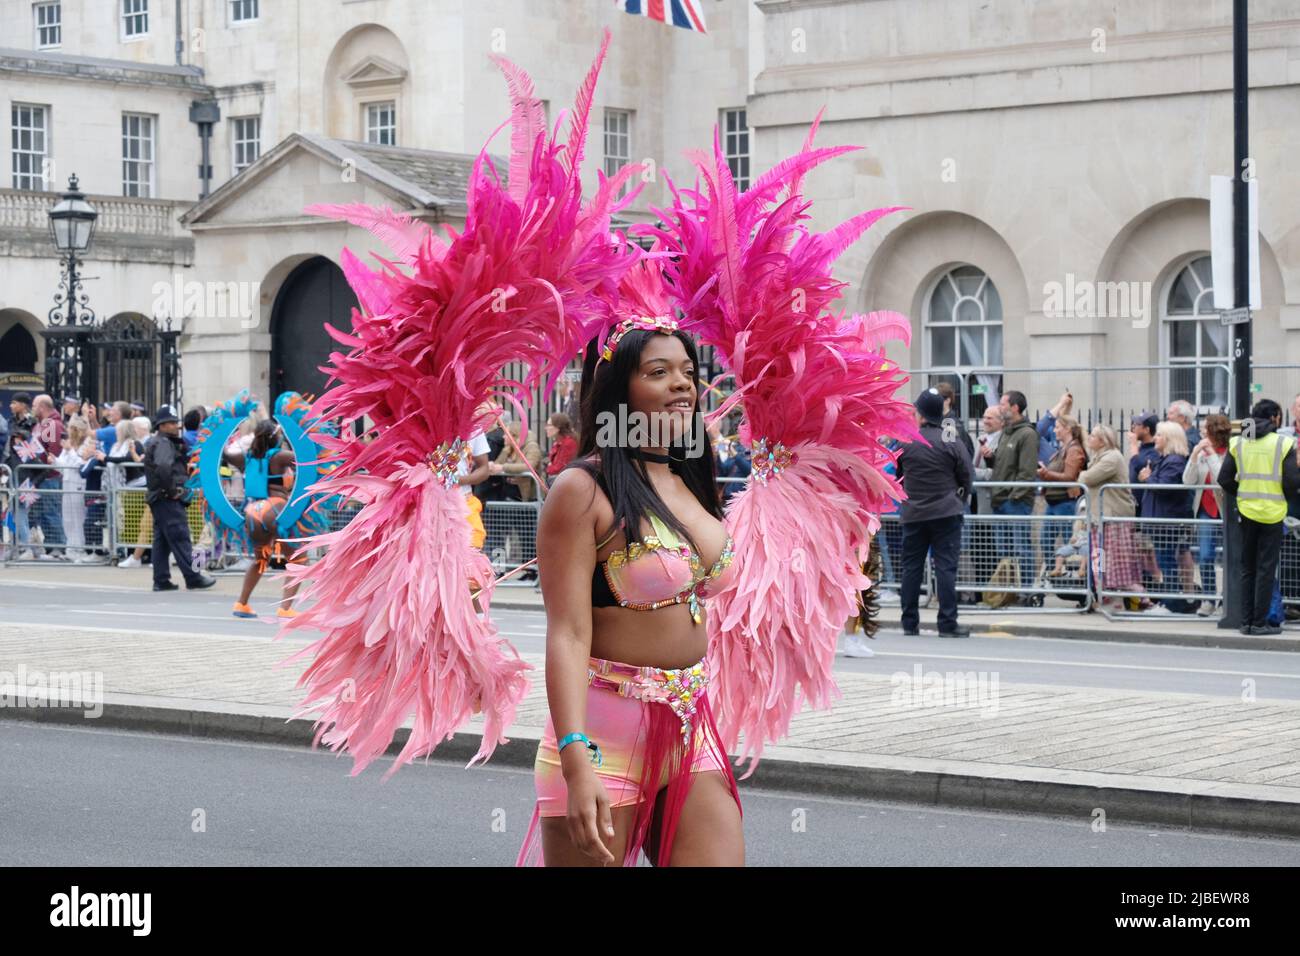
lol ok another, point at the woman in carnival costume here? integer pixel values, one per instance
(634, 525)
(269, 521)
(648, 690)
(268, 482)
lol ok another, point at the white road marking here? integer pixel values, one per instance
(1107, 666)
(184, 617)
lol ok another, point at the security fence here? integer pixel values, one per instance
(1108, 395)
(1277, 381)
(1003, 555)
(43, 514)
(1165, 561)
(511, 541)
(1008, 558)
(1289, 566)
(1019, 550)
(132, 522)
(1016, 551)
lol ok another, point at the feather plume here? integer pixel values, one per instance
(572, 158)
(820, 397)
(402, 234)
(531, 278)
(527, 123)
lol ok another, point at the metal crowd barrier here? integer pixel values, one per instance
(1174, 563)
(889, 544)
(1289, 565)
(511, 541)
(63, 522)
(994, 550)
(1033, 562)
(6, 531)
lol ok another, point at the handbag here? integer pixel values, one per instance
(1005, 575)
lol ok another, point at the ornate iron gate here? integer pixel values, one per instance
(126, 358)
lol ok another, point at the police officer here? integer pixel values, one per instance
(936, 474)
(1261, 470)
(165, 475)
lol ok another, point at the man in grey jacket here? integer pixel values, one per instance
(936, 475)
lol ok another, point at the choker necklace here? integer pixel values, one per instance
(651, 456)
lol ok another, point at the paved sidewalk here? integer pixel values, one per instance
(1173, 759)
(1194, 632)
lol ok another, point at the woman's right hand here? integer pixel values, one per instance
(591, 825)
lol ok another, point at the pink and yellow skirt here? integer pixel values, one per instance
(655, 729)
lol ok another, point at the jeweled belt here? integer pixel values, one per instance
(680, 688)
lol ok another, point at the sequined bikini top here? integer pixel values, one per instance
(655, 572)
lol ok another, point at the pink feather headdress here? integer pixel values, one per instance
(530, 279)
(643, 303)
(818, 400)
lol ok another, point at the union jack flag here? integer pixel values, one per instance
(679, 13)
(30, 450)
(27, 495)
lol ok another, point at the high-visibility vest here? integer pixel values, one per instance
(1259, 476)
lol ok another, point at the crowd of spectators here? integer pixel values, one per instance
(65, 461)
(62, 463)
(1154, 552)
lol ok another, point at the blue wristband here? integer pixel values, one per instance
(596, 757)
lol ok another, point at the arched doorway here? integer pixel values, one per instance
(314, 293)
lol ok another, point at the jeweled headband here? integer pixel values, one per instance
(649, 323)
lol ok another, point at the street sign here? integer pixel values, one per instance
(1234, 316)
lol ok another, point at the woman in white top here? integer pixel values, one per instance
(77, 447)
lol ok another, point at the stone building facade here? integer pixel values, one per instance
(1049, 150)
(377, 101)
(1056, 157)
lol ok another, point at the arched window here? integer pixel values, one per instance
(963, 332)
(1195, 341)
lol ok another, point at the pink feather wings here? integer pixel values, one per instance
(818, 400)
(530, 279)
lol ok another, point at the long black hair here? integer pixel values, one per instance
(266, 439)
(620, 474)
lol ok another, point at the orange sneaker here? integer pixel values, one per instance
(243, 610)
(286, 612)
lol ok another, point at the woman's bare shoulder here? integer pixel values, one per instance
(576, 495)
(573, 487)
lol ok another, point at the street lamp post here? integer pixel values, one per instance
(1241, 333)
(72, 226)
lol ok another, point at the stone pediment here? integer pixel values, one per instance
(305, 168)
(374, 71)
